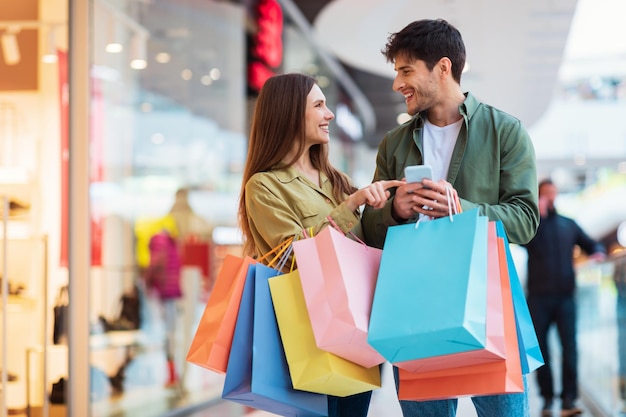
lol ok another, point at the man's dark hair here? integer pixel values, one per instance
(429, 41)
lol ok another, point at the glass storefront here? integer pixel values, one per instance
(168, 111)
(128, 138)
(171, 98)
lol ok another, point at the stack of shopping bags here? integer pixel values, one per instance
(449, 310)
(273, 361)
(441, 301)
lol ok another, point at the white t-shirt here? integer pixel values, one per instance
(438, 145)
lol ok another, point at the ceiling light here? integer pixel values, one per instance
(50, 57)
(215, 74)
(186, 74)
(138, 64)
(162, 57)
(10, 47)
(138, 58)
(113, 46)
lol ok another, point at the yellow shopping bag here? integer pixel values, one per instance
(311, 368)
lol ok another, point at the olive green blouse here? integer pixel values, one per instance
(283, 203)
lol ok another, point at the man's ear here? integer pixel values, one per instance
(444, 66)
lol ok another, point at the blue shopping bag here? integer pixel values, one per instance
(530, 352)
(257, 374)
(431, 293)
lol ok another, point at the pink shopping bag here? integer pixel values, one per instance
(338, 277)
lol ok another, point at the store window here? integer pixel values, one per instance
(169, 106)
(167, 145)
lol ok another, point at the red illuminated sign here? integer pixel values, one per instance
(266, 49)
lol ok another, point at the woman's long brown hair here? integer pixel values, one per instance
(278, 121)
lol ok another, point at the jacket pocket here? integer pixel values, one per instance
(305, 211)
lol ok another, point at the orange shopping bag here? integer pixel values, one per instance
(212, 341)
(495, 346)
(499, 377)
(211, 344)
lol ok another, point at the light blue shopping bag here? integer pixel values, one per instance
(431, 293)
(257, 374)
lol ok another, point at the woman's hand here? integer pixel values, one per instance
(375, 195)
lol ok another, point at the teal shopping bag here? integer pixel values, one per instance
(530, 352)
(257, 374)
(431, 293)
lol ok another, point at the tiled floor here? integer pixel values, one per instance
(384, 403)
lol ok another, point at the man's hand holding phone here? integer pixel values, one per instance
(422, 195)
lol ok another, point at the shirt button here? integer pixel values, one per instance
(328, 200)
(350, 225)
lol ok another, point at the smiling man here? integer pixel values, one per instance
(483, 154)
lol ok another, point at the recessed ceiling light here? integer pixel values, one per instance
(215, 74)
(114, 48)
(162, 57)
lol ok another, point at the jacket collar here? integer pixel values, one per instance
(467, 109)
(285, 174)
(288, 174)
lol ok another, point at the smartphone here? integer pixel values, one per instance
(416, 173)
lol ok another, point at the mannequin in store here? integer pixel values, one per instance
(194, 235)
(188, 223)
(195, 247)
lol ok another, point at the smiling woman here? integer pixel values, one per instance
(289, 184)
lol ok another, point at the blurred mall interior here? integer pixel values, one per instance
(120, 119)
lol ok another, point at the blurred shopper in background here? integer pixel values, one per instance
(551, 294)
